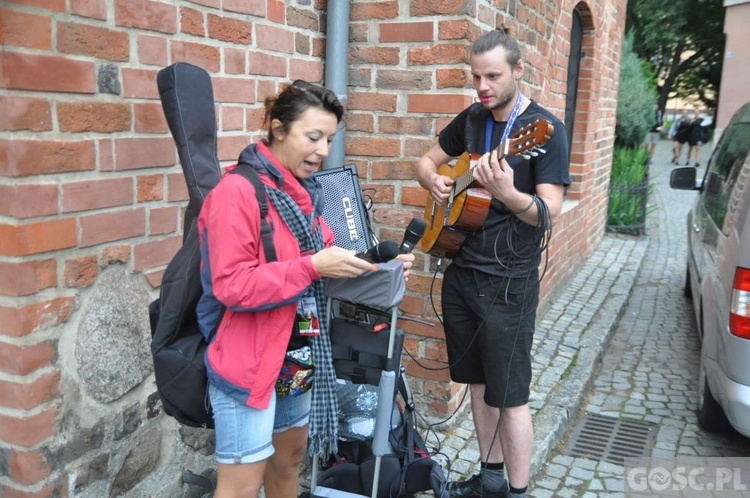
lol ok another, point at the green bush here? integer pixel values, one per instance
(636, 99)
(628, 191)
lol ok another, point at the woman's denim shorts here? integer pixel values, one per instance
(244, 434)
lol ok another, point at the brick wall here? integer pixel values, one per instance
(89, 179)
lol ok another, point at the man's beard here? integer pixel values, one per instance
(505, 99)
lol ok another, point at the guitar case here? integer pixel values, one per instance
(177, 345)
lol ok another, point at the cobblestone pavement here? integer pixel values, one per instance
(649, 372)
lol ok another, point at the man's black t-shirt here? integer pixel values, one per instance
(506, 246)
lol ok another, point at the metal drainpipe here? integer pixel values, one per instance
(337, 56)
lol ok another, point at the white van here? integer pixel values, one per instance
(718, 276)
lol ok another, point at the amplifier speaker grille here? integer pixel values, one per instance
(345, 210)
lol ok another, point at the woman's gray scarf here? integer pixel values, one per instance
(323, 429)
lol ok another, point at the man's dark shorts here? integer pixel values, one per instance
(489, 329)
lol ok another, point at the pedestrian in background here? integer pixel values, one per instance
(679, 133)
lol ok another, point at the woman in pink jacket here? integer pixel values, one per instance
(261, 430)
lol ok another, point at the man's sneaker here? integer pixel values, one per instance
(472, 488)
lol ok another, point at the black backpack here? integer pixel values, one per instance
(409, 469)
(177, 345)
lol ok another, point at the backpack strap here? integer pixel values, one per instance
(266, 232)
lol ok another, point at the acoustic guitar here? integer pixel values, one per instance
(449, 224)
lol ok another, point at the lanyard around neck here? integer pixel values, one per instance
(508, 126)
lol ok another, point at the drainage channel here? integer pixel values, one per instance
(611, 439)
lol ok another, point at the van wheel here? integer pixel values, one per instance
(711, 417)
(687, 291)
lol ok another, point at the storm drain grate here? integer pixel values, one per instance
(610, 439)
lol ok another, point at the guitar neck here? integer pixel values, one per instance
(462, 182)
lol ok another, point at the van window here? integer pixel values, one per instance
(723, 171)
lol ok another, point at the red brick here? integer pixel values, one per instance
(154, 278)
(28, 431)
(404, 125)
(30, 394)
(177, 188)
(439, 7)
(192, 21)
(106, 157)
(303, 18)
(207, 3)
(306, 70)
(235, 60)
(443, 53)
(20, 29)
(152, 50)
(417, 147)
(266, 88)
(372, 102)
(301, 43)
(81, 272)
(230, 30)
(93, 194)
(406, 31)
(39, 237)
(24, 113)
(47, 73)
(239, 90)
(27, 277)
(273, 38)
(136, 153)
(163, 220)
(453, 78)
(373, 146)
(403, 79)
(276, 11)
(102, 117)
(28, 467)
(266, 64)
(255, 118)
(28, 200)
(374, 55)
(95, 9)
(149, 118)
(139, 83)
(36, 157)
(204, 56)
(80, 39)
(22, 360)
(360, 122)
(18, 322)
(111, 226)
(393, 170)
(146, 14)
(374, 10)
(455, 29)
(252, 7)
(115, 254)
(56, 5)
(150, 188)
(231, 146)
(232, 118)
(413, 196)
(155, 253)
(438, 103)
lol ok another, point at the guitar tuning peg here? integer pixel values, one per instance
(542, 151)
(534, 153)
(526, 156)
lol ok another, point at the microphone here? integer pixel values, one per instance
(412, 235)
(380, 253)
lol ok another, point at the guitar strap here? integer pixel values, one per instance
(489, 127)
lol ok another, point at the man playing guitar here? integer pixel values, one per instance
(490, 291)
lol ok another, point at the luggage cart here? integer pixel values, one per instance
(383, 290)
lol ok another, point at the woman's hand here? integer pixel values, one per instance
(408, 260)
(337, 262)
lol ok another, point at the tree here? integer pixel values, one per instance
(635, 99)
(683, 42)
